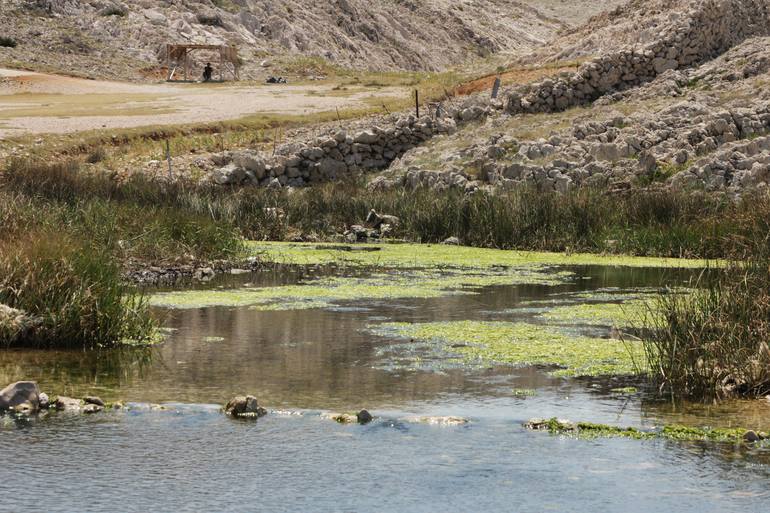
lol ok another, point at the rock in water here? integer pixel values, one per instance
(752, 437)
(244, 406)
(364, 417)
(22, 394)
(93, 400)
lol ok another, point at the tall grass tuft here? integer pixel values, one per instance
(72, 295)
(713, 343)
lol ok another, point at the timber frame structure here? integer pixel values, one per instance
(178, 56)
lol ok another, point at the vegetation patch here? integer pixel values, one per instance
(587, 430)
(713, 343)
(72, 296)
(522, 344)
(439, 255)
(632, 313)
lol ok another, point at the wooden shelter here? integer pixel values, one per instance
(178, 57)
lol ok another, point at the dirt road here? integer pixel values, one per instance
(36, 103)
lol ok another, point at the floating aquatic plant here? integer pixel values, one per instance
(438, 255)
(523, 344)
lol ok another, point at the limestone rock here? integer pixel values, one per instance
(244, 407)
(22, 394)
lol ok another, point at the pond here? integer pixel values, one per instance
(405, 342)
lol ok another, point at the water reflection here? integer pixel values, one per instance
(326, 358)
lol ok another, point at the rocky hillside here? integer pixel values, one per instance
(681, 104)
(115, 39)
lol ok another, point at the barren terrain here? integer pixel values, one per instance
(39, 103)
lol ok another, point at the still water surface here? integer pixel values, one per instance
(192, 458)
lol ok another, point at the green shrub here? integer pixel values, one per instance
(7, 42)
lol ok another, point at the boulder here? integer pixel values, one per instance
(244, 407)
(366, 137)
(250, 161)
(229, 175)
(23, 395)
(155, 17)
(451, 241)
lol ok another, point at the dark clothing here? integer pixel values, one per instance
(207, 72)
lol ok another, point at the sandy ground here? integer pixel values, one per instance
(36, 103)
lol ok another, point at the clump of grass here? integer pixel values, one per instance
(98, 154)
(713, 343)
(7, 42)
(137, 218)
(73, 292)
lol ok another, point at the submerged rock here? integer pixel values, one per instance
(22, 395)
(439, 421)
(245, 407)
(538, 424)
(362, 417)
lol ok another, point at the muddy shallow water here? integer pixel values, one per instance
(191, 458)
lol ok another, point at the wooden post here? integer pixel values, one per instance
(221, 64)
(185, 64)
(496, 88)
(417, 103)
(168, 158)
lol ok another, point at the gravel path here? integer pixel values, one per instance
(36, 103)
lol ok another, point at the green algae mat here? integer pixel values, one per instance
(440, 255)
(523, 344)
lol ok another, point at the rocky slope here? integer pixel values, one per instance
(115, 39)
(688, 108)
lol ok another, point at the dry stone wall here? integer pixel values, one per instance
(340, 154)
(707, 29)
